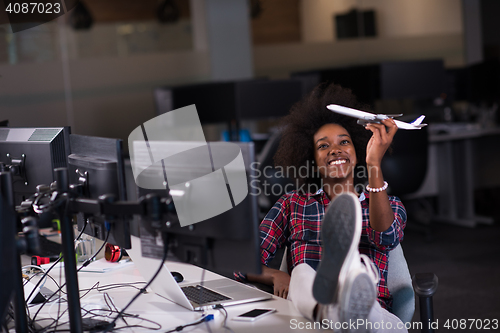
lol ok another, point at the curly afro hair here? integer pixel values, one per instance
(296, 148)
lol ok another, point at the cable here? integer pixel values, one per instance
(205, 318)
(32, 321)
(88, 261)
(143, 290)
(120, 285)
(224, 324)
(109, 311)
(58, 259)
(44, 277)
(97, 313)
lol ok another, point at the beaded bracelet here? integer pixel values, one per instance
(378, 189)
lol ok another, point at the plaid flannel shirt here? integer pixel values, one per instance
(295, 222)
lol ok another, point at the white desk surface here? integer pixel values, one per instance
(170, 315)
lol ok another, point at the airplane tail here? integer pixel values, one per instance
(418, 121)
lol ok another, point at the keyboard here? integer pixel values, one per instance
(201, 295)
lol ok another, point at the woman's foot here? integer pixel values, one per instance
(341, 279)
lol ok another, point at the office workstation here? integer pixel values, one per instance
(223, 244)
(68, 88)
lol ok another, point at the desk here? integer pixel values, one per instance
(170, 315)
(459, 162)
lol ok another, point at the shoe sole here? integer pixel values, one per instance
(356, 301)
(339, 223)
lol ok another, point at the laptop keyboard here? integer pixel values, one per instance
(201, 295)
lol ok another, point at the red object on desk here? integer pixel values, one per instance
(37, 260)
(112, 253)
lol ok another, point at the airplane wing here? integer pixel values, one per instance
(366, 117)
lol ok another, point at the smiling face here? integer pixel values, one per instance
(334, 152)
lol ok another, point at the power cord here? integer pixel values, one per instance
(142, 290)
(48, 271)
(97, 319)
(223, 309)
(86, 263)
(203, 319)
(91, 259)
(58, 259)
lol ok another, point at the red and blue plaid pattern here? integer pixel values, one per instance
(295, 222)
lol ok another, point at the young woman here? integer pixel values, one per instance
(339, 154)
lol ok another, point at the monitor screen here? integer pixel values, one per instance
(96, 168)
(417, 79)
(31, 155)
(224, 102)
(215, 101)
(366, 89)
(224, 243)
(483, 82)
(266, 98)
(423, 79)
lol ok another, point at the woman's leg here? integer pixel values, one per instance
(300, 293)
(300, 290)
(381, 320)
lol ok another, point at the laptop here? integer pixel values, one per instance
(192, 296)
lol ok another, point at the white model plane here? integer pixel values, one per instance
(367, 117)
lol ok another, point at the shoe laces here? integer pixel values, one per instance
(372, 270)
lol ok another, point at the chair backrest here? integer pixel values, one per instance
(398, 281)
(400, 285)
(276, 181)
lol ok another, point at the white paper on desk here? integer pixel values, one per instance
(98, 266)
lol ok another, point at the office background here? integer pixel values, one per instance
(100, 81)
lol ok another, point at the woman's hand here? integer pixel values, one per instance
(380, 141)
(278, 279)
(281, 282)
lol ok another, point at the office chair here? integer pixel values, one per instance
(270, 175)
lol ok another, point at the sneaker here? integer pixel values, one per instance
(341, 278)
(356, 298)
(340, 234)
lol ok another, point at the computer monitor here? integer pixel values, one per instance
(223, 102)
(412, 79)
(215, 101)
(32, 154)
(418, 79)
(224, 243)
(261, 99)
(96, 168)
(363, 80)
(483, 82)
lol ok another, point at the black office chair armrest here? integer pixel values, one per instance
(425, 285)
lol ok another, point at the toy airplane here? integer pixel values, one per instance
(365, 118)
